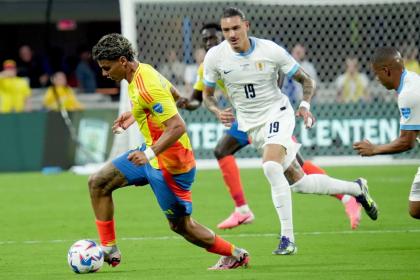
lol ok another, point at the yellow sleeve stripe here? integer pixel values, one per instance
(142, 89)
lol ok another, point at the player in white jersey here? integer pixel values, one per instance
(249, 69)
(388, 66)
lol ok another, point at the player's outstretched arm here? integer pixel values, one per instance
(405, 142)
(124, 121)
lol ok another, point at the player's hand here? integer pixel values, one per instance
(226, 117)
(308, 119)
(123, 122)
(182, 102)
(137, 157)
(364, 148)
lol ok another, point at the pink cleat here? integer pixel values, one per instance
(231, 262)
(236, 219)
(353, 211)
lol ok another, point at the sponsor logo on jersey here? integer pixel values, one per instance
(406, 113)
(158, 108)
(227, 71)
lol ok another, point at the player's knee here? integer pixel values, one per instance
(272, 169)
(177, 226)
(219, 153)
(94, 184)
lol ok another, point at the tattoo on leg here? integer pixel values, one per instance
(110, 178)
(294, 172)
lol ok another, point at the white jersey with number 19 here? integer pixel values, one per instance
(250, 78)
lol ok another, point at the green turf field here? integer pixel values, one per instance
(43, 215)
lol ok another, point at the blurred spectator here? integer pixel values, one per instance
(352, 85)
(411, 63)
(85, 73)
(14, 91)
(292, 88)
(173, 69)
(60, 94)
(31, 67)
(190, 75)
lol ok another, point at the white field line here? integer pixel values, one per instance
(241, 235)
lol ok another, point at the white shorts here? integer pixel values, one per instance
(415, 188)
(277, 130)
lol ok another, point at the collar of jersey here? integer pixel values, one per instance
(400, 87)
(135, 73)
(250, 50)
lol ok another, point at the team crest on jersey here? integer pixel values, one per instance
(158, 108)
(260, 66)
(406, 113)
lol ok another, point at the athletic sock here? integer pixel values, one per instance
(281, 196)
(232, 179)
(310, 168)
(323, 184)
(106, 231)
(221, 247)
(244, 209)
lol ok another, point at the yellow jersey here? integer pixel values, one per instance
(199, 84)
(13, 94)
(153, 104)
(67, 99)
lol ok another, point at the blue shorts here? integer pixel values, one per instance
(173, 192)
(240, 136)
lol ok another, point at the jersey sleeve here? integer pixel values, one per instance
(162, 104)
(210, 68)
(410, 114)
(199, 83)
(288, 65)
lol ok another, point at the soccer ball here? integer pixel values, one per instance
(85, 256)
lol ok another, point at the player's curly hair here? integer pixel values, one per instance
(112, 47)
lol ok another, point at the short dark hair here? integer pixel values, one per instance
(233, 12)
(211, 25)
(112, 47)
(384, 54)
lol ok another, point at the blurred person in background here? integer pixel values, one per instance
(352, 86)
(290, 87)
(60, 95)
(85, 72)
(31, 67)
(388, 67)
(173, 69)
(14, 90)
(190, 75)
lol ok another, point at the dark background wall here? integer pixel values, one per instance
(27, 22)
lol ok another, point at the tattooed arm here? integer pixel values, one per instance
(308, 85)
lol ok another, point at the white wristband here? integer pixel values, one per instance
(149, 153)
(305, 104)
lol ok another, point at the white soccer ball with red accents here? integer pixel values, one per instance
(85, 256)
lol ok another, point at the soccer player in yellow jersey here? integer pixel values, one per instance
(165, 161)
